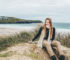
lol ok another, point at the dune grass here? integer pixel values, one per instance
(32, 55)
(10, 53)
(27, 36)
(15, 39)
(64, 39)
(12, 40)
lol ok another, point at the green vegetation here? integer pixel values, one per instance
(10, 53)
(11, 40)
(18, 38)
(4, 19)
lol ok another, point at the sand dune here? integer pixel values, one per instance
(26, 51)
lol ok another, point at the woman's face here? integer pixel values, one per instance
(47, 23)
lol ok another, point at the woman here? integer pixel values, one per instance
(49, 40)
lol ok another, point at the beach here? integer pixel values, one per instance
(63, 31)
(7, 31)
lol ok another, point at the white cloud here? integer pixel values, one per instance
(36, 9)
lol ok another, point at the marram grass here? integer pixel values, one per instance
(12, 40)
(27, 36)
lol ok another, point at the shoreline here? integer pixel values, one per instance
(65, 31)
(5, 31)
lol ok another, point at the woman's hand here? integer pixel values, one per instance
(30, 42)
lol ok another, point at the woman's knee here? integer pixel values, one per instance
(56, 43)
(46, 43)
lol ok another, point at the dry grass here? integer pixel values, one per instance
(27, 36)
(64, 39)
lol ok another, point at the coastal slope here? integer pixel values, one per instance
(26, 51)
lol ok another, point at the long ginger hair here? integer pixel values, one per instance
(44, 26)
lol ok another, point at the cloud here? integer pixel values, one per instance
(36, 9)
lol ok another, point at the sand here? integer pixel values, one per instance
(6, 31)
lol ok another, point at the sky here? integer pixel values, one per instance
(57, 10)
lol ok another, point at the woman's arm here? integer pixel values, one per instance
(54, 32)
(38, 34)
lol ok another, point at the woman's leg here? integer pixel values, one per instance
(47, 45)
(58, 46)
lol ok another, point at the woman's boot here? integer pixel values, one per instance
(61, 57)
(53, 57)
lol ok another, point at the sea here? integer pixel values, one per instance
(56, 25)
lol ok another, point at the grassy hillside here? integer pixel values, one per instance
(4, 19)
